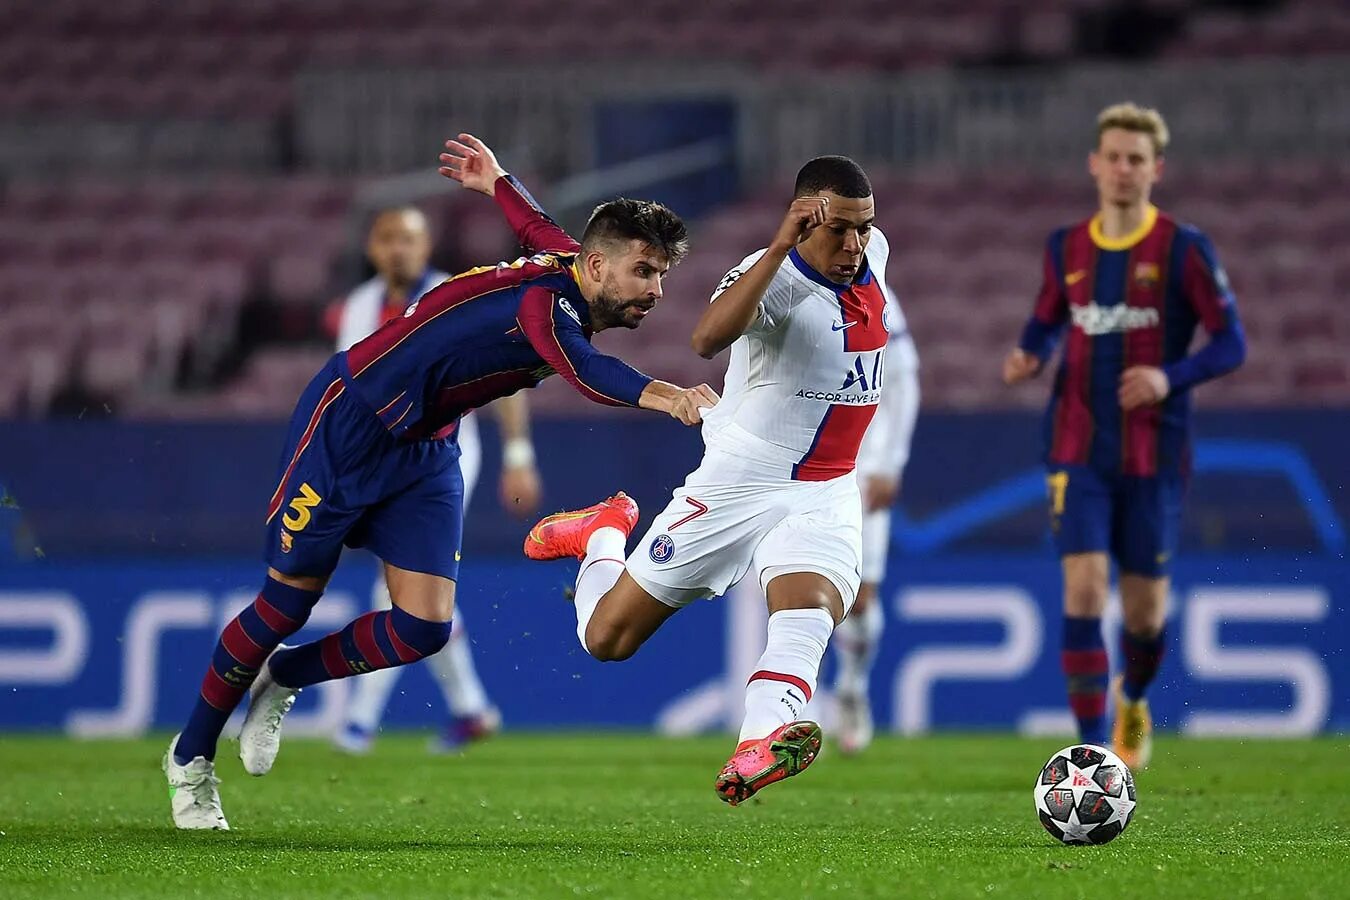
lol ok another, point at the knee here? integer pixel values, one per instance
(1085, 597)
(1143, 604)
(1141, 622)
(805, 590)
(422, 635)
(867, 593)
(609, 643)
(313, 584)
(827, 601)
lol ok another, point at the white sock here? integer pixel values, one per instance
(455, 673)
(785, 677)
(600, 571)
(855, 646)
(371, 692)
(370, 696)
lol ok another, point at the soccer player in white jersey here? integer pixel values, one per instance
(399, 247)
(881, 463)
(776, 491)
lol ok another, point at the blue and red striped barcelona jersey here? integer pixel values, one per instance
(1133, 301)
(488, 333)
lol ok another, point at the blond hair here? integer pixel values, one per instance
(1132, 117)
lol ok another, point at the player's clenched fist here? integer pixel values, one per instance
(804, 216)
(1143, 386)
(690, 403)
(472, 163)
(1019, 366)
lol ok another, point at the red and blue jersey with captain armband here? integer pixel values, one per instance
(1133, 301)
(488, 333)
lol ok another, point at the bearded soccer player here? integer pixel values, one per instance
(371, 459)
(1130, 284)
(399, 248)
(776, 493)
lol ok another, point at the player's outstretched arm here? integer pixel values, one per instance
(685, 404)
(550, 325)
(472, 163)
(735, 307)
(520, 485)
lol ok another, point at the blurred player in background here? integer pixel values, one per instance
(1131, 284)
(881, 463)
(399, 247)
(776, 491)
(371, 459)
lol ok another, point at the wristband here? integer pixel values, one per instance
(517, 452)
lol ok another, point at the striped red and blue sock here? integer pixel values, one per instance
(1142, 656)
(376, 640)
(278, 612)
(1083, 657)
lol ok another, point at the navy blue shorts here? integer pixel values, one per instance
(345, 480)
(1135, 519)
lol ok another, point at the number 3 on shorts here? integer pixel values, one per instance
(1057, 483)
(307, 499)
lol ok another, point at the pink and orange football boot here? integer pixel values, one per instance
(756, 764)
(566, 533)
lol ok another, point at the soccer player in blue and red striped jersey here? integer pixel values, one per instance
(372, 460)
(1131, 284)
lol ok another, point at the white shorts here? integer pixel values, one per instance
(876, 545)
(721, 524)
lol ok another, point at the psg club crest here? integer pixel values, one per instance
(662, 549)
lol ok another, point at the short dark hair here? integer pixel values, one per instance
(380, 212)
(837, 174)
(626, 220)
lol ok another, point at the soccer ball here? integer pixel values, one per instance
(1085, 795)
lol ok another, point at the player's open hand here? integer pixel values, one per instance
(1143, 386)
(804, 216)
(690, 403)
(1019, 365)
(472, 163)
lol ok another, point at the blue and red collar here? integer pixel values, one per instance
(863, 277)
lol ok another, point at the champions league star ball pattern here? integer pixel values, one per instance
(1085, 795)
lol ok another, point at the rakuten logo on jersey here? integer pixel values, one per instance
(861, 384)
(1093, 320)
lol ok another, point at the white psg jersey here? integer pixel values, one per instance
(885, 450)
(805, 379)
(363, 310)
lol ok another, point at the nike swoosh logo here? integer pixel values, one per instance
(841, 326)
(1074, 277)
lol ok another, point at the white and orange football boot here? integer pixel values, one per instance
(756, 764)
(566, 533)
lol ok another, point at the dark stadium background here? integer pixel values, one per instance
(183, 189)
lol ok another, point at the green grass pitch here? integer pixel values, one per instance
(624, 815)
